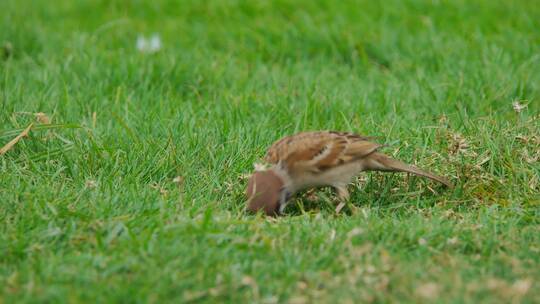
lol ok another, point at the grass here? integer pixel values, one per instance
(134, 192)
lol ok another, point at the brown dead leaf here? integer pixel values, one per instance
(42, 118)
(522, 138)
(457, 143)
(14, 141)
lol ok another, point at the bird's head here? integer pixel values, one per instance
(264, 191)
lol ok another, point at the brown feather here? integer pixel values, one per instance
(300, 152)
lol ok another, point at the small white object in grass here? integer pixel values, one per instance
(155, 43)
(149, 45)
(518, 107)
(141, 43)
(452, 241)
(422, 242)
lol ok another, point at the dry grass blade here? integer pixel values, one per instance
(340, 206)
(40, 127)
(14, 141)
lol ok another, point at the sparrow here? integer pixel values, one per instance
(316, 159)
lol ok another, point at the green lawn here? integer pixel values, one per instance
(134, 191)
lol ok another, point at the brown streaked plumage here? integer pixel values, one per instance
(319, 158)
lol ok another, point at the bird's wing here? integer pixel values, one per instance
(319, 151)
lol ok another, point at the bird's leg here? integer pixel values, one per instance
(282, 207)
(343, 197)
(283, 201)
(343, 193)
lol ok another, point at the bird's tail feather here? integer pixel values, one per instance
(380, 162)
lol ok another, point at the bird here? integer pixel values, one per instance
(312, 159)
